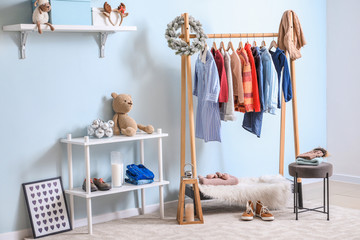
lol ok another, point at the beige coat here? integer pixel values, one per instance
(284, 39)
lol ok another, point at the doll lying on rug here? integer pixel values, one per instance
(218, 179)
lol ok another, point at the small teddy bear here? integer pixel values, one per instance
(40, 14)
(122, 104)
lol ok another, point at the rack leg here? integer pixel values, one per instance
(282, 135)
(161, 196)
(142, 161)
(71, 186)
(89, 215)
(191, 115)
(88, 186)
(161, 178)
(183, 115)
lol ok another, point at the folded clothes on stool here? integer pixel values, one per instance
(311, 162)
(315, 153)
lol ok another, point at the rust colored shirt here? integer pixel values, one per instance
(254, 78)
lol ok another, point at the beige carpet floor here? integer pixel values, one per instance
(223, 223)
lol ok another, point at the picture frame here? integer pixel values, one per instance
(47, 208)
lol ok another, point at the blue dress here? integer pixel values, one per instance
(207, 89)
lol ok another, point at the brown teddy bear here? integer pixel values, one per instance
(124, 124)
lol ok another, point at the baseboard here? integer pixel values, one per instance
(21, 234)
(310, 180)
(120, 214)
(346, 178)
(24, 233)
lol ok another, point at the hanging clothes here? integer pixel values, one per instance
(281, 66)
(227, 109)
(270, 82)
(253, 120)
(236, 72)
(219, 60)
(285, 35)
(207, 89)
(254, 78)
(247, 83)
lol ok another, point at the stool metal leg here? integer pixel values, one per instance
(324, 194)
(327, 181)
(294, 193)
(297, 195)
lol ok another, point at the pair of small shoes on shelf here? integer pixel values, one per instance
(224, 176)
(261, 211)
(97, 184)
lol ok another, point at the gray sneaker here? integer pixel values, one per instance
(101, 185)
(92, 186)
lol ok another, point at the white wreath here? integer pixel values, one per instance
(181, 47)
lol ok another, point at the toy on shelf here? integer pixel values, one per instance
(100, 128)
(41, 14)
(122, 104)
(120, 10)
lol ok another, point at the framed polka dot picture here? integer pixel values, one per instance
(47, 207)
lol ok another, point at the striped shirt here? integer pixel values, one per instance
(248, 105)
(207, 89)
(254, 78)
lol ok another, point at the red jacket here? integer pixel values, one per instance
(254, 78)
(219, 60)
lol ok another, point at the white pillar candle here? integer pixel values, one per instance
(117, 176)
(189, 212)
(117, 169)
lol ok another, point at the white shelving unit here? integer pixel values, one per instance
(88, 195)
(104, 31)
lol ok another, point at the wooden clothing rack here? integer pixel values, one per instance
(186, 79)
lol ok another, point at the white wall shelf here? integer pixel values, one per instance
(115, 139)
(86, 142)
(104, 31)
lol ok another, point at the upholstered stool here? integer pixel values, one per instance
(323, 170)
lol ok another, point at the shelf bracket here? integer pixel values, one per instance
(23, 38)
(103, 38)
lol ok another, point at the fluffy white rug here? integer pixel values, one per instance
(273, 191)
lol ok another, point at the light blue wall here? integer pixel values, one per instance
(63, 85)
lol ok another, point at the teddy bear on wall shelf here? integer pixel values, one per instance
(122, 104)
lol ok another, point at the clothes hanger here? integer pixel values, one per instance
(214, 43)
(247, 39)
(230, 45)
(263, 44)
(254, 43)
(273, 44)
(240, 43)
(222, 46)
